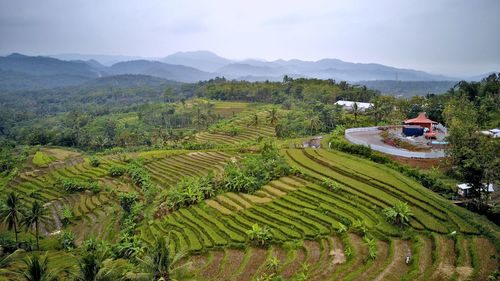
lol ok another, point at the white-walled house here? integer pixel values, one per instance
(463, 189)
(348, 105)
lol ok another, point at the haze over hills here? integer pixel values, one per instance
(21, 72)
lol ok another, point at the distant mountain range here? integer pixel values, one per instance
(21, 72)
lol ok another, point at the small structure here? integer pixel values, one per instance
(362, 106)
(314, 143)
(413, 130)
(495, 133)
(424, 122)
(464, 189)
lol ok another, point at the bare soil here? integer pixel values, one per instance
(213, 268)
(314, 252)
(232, 262)
(423, 163)
(465, 270)
(333, 255)
(397, 267)
(425, 255)
(486, 252)
(295, 266)
(199, 261)
(257, 258)
(446, 266)
(361, 252)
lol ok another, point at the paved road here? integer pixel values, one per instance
(370, 136)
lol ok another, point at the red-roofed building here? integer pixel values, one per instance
(424, 122)
(421, 120)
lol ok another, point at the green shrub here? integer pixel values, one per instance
(255, 171)
(66, 215)
(190, 191)
(372, 247)
(330, 184)
(399, 214)
(94, 187)
(95, 162)
(116, 171)
(127, 200)
(250, 174)
(359, 227)
(341, 228)
(260, 236)
(41, 159)
(77, 185)
(67, 240)
(140, 175)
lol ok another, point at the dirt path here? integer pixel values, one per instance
(397, 267)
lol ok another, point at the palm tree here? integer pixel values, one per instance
(273, 116)
(95, 264)
(7, 260)
(314, 124)
(158, 264)
(12, 214)
(355, 111)
(399, 214)
(255, 120)
(37, 215)
(38, 269)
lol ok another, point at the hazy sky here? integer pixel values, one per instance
(455, 37)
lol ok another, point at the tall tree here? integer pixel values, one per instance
(355, 111)
(272, 117)
(37, 269)
(314, 124)
(95, 263)
(168, 95)
(36, 215)
(12, 214)
(158, 263)
(255, 120)
(472, 155)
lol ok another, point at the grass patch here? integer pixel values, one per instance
(42, 160)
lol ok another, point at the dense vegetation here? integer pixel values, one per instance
(208, 181)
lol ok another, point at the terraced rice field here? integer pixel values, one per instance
(86, 207)
(304, 217)
(249, 133)
(167, 171)
(301, 209)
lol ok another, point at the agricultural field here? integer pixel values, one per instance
(247, 127)
(325, 219)
(319, 231)
(305, 220)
